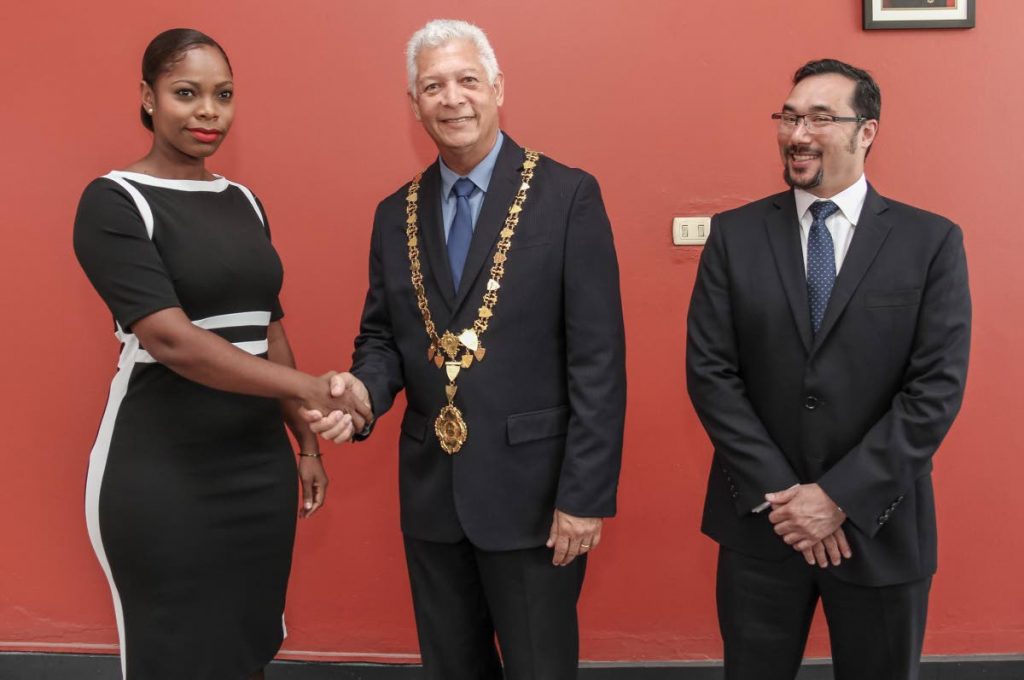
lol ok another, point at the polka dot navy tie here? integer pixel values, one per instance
(461, 232)
(821, 261)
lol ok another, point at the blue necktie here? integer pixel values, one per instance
(461, 232)
(821, 262)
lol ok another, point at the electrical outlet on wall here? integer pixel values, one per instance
(690, 231)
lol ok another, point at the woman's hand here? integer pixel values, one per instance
(331, 394)
(314, 485)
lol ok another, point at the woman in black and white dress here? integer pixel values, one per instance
(191, 492)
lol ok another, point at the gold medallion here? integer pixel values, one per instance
(451, 429)
(450, 344)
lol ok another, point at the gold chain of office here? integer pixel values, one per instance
(445, 351)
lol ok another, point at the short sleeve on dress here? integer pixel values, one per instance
(118, 256)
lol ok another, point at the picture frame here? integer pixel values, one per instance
(890, 14)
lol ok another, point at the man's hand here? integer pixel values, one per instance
(572, 536)
(804, 516)
(340, 425)
(833, 547)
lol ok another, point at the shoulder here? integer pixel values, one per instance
(104, 189)
(909, 217)
(395, 202)
(397, 197)
(565, 175)
(108, 197)
(238, 186)
(108, 209)
(752, 213)
(250, 196)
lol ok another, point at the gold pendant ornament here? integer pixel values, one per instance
(450, 427)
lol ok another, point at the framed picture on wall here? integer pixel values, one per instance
(918, 14)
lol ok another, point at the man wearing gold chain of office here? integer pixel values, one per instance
(494, 302)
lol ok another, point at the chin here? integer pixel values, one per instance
(805, 180)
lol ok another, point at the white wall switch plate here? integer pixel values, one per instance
(690, 231)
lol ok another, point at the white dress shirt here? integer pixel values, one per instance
(841, 224)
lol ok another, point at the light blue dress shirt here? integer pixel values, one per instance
(480, 176)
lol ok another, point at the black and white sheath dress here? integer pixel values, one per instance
(191, 493)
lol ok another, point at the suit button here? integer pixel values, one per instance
(812, 402)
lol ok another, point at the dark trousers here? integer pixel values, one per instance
(765, 610)
(464, 596)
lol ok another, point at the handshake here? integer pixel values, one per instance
(338, 407)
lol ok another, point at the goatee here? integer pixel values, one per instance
(809, 184)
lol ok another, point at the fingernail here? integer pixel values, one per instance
(308, 506)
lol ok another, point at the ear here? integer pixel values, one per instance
(415, 104)
(499, 88)
(868, 131)
(147, 95)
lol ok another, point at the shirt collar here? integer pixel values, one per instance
(480, 175)
(850, 200)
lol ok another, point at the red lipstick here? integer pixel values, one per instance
(205, 136)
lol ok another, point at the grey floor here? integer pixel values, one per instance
(17, 666)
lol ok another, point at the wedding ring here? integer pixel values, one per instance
(584, 545)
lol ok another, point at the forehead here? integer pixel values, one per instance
(456, 55)
(199, 63)
(829, 91)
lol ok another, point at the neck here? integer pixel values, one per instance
(168, 163)
(822, 191)
(462, 161)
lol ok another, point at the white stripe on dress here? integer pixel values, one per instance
(252, 199)
(236, 319)
(215, 185)
(252, 347)
(213, 322)
(97, 466)
(140, 203)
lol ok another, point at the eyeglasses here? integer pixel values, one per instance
(816, 123)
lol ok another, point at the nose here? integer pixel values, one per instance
(800, 134)
(452, 95)
(207, 109)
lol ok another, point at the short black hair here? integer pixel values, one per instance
(867, 98)
(165, 50)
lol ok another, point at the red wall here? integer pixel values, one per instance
(667, 103)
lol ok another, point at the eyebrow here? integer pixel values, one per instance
(197, 85)
(817, 108)
(469, 71)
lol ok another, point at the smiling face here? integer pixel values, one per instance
(456, 104)
(831, 160)
(191, 103)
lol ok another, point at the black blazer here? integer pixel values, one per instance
(546, 406)
(860, 407)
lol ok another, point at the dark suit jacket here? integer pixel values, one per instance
(860, 407)
(545, 408)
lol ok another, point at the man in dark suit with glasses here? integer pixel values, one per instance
(827, 348)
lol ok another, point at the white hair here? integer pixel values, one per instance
(441, 32)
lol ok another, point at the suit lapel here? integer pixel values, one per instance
(432, 233)
(784, 236)
(868, 236)
(500, 193)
